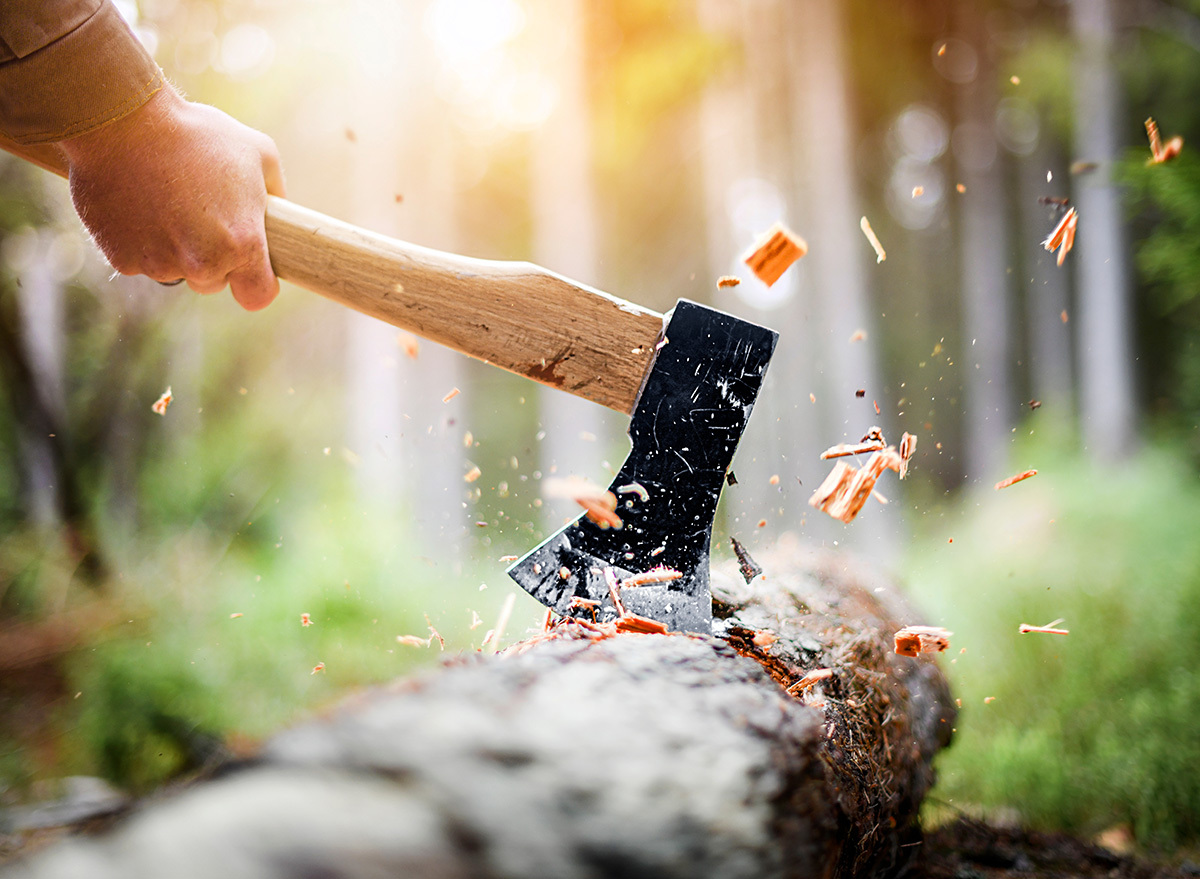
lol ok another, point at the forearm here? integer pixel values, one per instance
(68, 67)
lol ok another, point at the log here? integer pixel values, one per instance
(588, 753)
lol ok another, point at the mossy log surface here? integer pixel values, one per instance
(588, 754)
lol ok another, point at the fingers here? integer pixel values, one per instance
(273, 171)
(255, 286)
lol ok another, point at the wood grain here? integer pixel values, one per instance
(514, 315)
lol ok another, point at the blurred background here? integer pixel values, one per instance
(153, 570)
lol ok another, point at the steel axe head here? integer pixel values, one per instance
(692, 410)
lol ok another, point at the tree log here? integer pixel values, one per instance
(587, 753)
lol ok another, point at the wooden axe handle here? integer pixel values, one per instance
(514, 315)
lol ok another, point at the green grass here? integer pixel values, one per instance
(175, 673)
(1102, 726)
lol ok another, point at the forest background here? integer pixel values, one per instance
(154, 569)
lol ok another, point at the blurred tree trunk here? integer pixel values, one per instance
(986, 342)
(747, 142)
(578, 432)
(1047, 293)
(1105, 313)
(832, 208)
(407, 445)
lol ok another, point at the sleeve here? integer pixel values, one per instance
(68, 67)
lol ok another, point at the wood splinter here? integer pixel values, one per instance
(775, 252)
(913, 640)
(1047, 629)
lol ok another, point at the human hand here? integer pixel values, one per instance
(177, 190)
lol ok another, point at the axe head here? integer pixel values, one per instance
(694, 404)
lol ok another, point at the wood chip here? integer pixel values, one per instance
(912, 640)
(842, 450)
(764, 639)
(305, 620)
(451, 394)
(1062, 238)
(865, 225)
(410, 343)
(1013, 480)
(661, 574)
(908, 445)
(810, 678)
(234, 616)
(1048, 629)
(749, 567)
(472, 474)
(857, 336)
(1158, 152)
(413, 640)
(728, 281)
(918, 191)
(631, 622)
(159, 406)
(775, 252)
(320, 666)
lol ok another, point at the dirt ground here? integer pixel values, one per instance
(968, 849)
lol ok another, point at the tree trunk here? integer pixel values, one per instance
(1105, 315)
(583, 753)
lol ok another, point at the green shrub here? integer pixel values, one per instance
(1098, 727)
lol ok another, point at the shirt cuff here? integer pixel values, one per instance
(91, 76)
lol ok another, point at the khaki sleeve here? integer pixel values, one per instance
(68, 67)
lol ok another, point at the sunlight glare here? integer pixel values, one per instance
(463, 30)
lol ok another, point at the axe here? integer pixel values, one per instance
(688, 379)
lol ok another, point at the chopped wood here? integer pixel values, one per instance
(857, 336)
(1035, 404)
(764, 639)
(960, 188)
(320, 666)
(1158, 152)
(875, 403)
(774, 480)
(842, 450)
(451, 394)
(775, 252)
(508, 558)
(749, 567)
(834, 486)
(865, 225)
(1062, 238)
(601, 512)
(234, 616)
(472, 474)
(1063, 316)
(845, 490)
(912, 640)
(860, 393)
(880, 498)
(476, 622)
(414, 640)
(661, 574)
(1013, 480)
(614, 591)
(305, 620)
(728, 281)
(811, 678)
(631, 622)
(918, 191)
(1048, 629)
(908, 445)
(159, 406)
(730, 478)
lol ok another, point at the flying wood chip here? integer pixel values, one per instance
(750, 568)
(775, 252)
(1013, 480)
(865, 225)
(159, 406)
(1062, 238)
(912, 640)
(1159, 152)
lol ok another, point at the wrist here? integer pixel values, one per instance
(131, 132)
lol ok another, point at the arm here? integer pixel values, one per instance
(167, 188)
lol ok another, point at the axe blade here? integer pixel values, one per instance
(691, 413)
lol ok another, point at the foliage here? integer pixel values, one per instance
(1095, 728)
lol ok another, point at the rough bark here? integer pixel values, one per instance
(589, 754)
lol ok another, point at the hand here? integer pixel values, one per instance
(179, 190)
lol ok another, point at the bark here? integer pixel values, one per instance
(577, 755)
